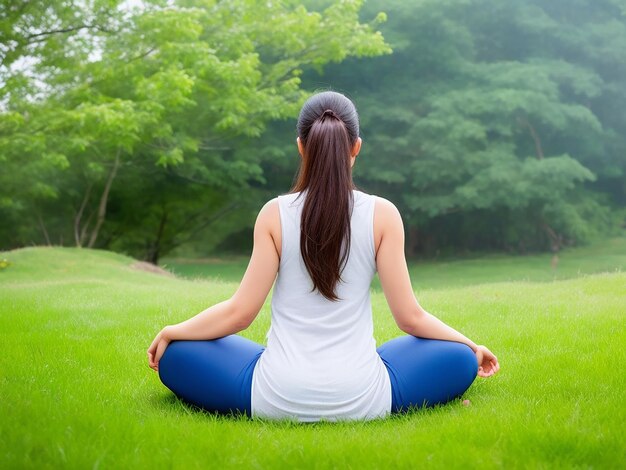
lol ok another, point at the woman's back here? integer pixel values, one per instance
(321, 359)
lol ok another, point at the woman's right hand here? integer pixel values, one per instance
(487, 362)
(157, 348)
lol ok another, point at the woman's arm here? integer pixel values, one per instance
(396, 283)
(238, 312)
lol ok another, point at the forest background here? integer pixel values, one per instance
(160, 128)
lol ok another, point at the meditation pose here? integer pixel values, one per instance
(319, 246)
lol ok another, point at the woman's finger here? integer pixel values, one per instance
(160, 350)
(151, 359)
(155, 342)
(151, 362)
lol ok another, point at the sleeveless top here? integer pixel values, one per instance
(321, 360)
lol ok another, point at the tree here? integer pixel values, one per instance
(169, 88)
(494, 123)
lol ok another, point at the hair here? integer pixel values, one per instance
(328, 128)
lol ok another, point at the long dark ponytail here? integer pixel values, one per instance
(328, 128)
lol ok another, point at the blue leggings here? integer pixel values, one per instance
(217, 375)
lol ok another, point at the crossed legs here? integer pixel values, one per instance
(217, 375)
(426, 372)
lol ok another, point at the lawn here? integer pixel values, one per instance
(602, 256)
(77, 391)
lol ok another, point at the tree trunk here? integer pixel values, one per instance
(43, 229)
(104, 199)
(78, 236)
(154, 251)
(83, 231)
(556, 240)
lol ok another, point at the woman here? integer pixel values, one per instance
(325, 240)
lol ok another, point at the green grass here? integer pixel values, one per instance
(603, 256)
(77, 391)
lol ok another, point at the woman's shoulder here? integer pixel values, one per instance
(268, 214)
(386, 205)
(382, 204)
(268, 221)
(386, 215)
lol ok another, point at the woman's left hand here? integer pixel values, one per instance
(157, 348)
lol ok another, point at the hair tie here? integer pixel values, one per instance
(331, 113)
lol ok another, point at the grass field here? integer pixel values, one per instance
(77, 391)
(602, 256)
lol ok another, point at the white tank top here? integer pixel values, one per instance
(321, 360)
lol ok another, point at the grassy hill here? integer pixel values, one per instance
(77, 391)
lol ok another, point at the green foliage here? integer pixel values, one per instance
(494, 123)
(165, 93)
(494, 111)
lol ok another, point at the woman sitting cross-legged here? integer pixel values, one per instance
(320, 246)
